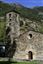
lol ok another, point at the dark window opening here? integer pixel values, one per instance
(30, 55)
(26, 24)
(30, 35)
(21, 23)
(10, 19)
(9, 15)
(9, 23)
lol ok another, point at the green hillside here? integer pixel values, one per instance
(32, 14)
(4, 7)
(2, 30)
(40, 8)
(26, 12)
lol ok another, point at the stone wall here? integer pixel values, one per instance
(26, 43)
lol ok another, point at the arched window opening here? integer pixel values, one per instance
(9, 15)
(10, 19)
(30, 55)
(30, 35)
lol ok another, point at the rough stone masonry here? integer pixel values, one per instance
(29, 43)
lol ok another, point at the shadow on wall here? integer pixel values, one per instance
(14, 48)
(11, 49)
(8, 30)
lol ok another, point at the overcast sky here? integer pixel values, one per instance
(27, 3)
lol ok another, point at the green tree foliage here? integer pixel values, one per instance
(2, 30)
(4, 7)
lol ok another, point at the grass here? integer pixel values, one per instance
(25, 62)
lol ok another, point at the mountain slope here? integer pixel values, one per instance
(32, 14)
(40, 9)
(27, 12)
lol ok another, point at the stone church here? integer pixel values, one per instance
(29, 43)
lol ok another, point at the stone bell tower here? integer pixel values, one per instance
(12, 25)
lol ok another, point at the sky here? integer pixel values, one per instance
(26, 3)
